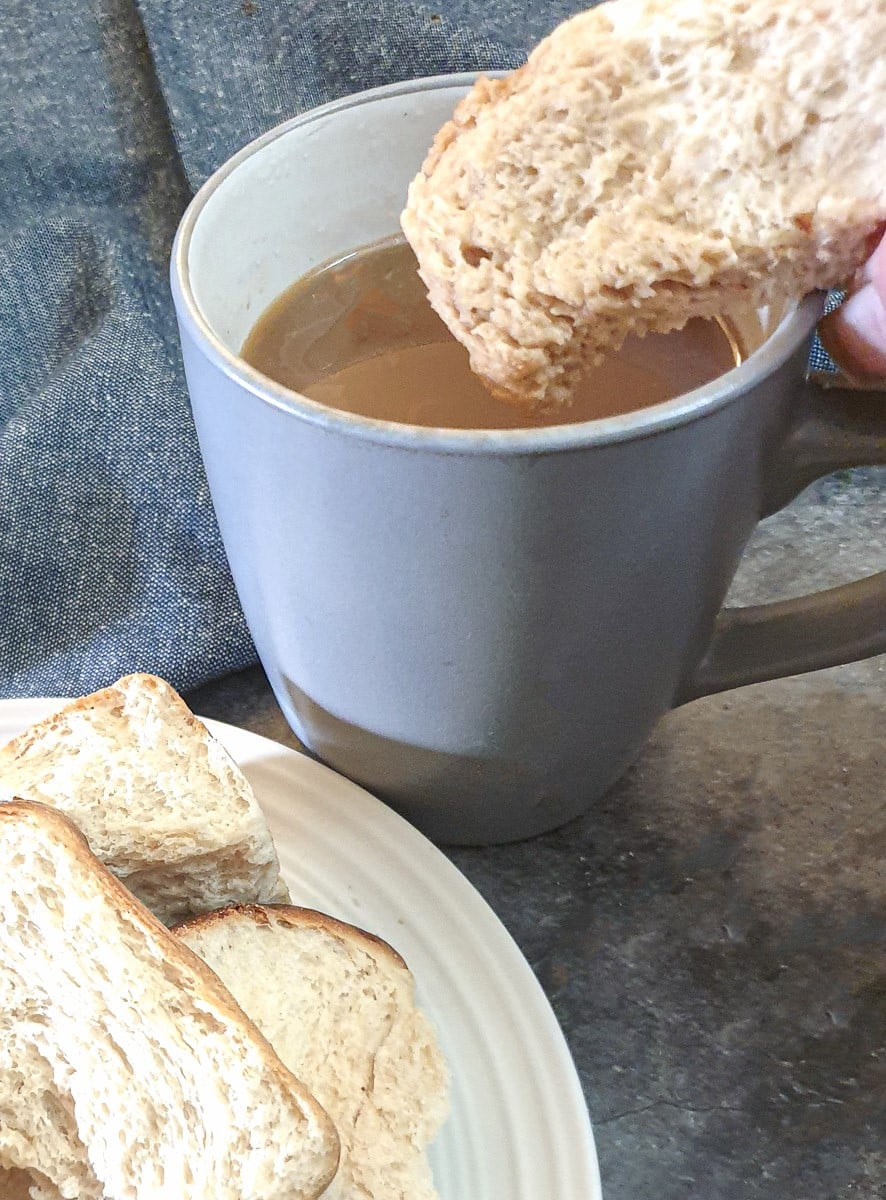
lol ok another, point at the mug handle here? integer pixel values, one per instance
(839, 427)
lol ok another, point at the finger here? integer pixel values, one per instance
(855, 333)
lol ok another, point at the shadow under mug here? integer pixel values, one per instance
(483, 627)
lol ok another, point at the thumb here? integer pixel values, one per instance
(855, 333)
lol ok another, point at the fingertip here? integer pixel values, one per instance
(855, 333)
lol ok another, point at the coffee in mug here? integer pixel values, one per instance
(359, 335)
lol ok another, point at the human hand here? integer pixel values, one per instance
(855, 333)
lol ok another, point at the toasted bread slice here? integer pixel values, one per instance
(653, 161)
(338, 1006)
(158, 799)
(127, 1071)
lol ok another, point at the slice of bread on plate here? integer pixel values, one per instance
(127, 1071)
(159, 800)
(338, 1006)
(653, 161)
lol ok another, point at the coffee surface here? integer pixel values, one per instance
(359, 335)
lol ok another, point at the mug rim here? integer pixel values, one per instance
(793, 329)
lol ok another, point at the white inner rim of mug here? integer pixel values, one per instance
(793, 330)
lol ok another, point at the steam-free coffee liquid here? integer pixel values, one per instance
(358, 334)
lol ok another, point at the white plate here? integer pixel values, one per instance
(519, 1127)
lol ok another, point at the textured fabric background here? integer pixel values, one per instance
(111, 113)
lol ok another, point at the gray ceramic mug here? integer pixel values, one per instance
(483, 627)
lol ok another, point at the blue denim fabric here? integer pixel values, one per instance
(111, 112)
(252, 64)
(110, 559)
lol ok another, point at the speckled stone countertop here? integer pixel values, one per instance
(712, 936)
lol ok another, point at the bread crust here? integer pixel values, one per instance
(114, 695)
(297, 917)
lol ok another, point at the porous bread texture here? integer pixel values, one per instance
(653, 161)
(127, 1071)
(338, 1006)
(159, 800)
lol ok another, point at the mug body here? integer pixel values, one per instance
(480, 627)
